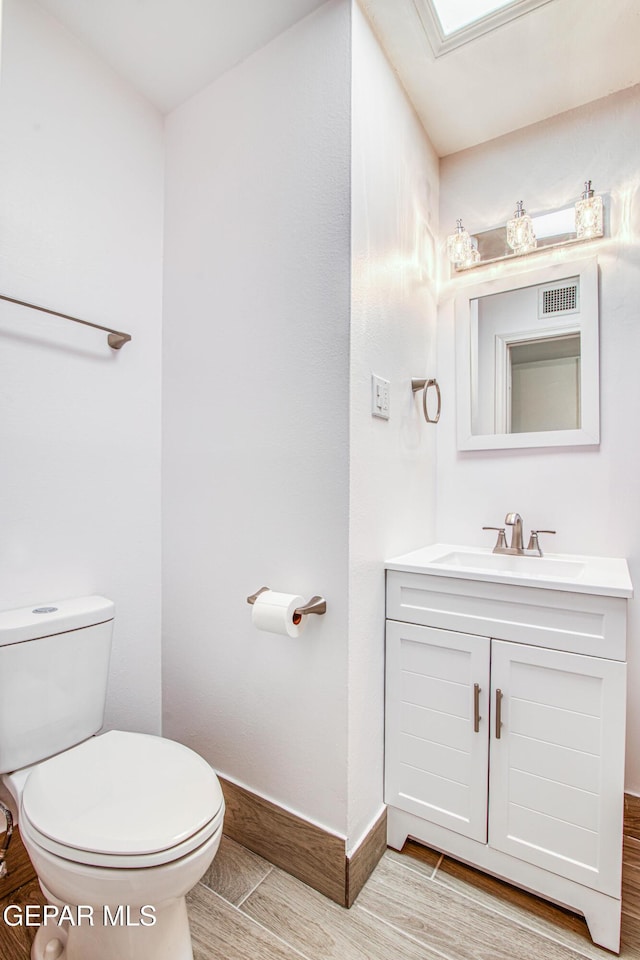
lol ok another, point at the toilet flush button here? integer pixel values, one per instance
(44, 610)
(53, 950)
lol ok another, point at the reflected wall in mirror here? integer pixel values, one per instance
(527, 359)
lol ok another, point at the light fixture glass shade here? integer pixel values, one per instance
(459, 245)
(520, 233)
(473, 254)
(589, 214)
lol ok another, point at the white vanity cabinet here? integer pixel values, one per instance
(505, 723)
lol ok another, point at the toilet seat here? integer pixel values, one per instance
(119, 861)
(122, 800)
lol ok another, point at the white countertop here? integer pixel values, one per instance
(605, 576)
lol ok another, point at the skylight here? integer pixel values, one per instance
(451, 23)
(456, 14)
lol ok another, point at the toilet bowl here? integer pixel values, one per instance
(119, 826)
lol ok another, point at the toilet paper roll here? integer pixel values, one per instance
(274, 612)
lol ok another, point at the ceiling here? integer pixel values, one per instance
(171, 49)
(553, 57)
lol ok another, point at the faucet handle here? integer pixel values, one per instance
(533, 540)
(501, 543)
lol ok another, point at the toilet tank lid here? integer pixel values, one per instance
(46, 619)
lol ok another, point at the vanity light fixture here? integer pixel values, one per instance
(589, 214)
(520, 234)
(576, 222)
(460, 248)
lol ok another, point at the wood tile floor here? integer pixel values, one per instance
(416, 906)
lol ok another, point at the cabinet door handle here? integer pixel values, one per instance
(476, 707)
(498, 712)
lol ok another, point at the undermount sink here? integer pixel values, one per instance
(606, 576)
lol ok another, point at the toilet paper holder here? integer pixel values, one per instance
(315, 605)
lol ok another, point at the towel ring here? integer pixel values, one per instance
(417, 384)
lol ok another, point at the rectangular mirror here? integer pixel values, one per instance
(527, 359)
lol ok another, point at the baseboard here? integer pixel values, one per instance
(632, 816)
(305, 850)
(363, 860)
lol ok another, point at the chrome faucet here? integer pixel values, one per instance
(517, 549)
(515, 520)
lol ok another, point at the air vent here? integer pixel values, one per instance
(559, 298)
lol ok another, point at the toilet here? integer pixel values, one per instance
(119, 826)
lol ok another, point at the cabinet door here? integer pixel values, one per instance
(437, 726)
(557, 761)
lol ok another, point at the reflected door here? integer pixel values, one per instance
(544, 385)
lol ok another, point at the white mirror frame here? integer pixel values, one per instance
(589, 432)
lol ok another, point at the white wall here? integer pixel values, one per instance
(256, 359)
(392, 494)
(257, 374)
(590, 496)
(81, 230)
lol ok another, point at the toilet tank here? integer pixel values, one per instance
(54, 663)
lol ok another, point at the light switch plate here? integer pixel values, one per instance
(380, 397)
